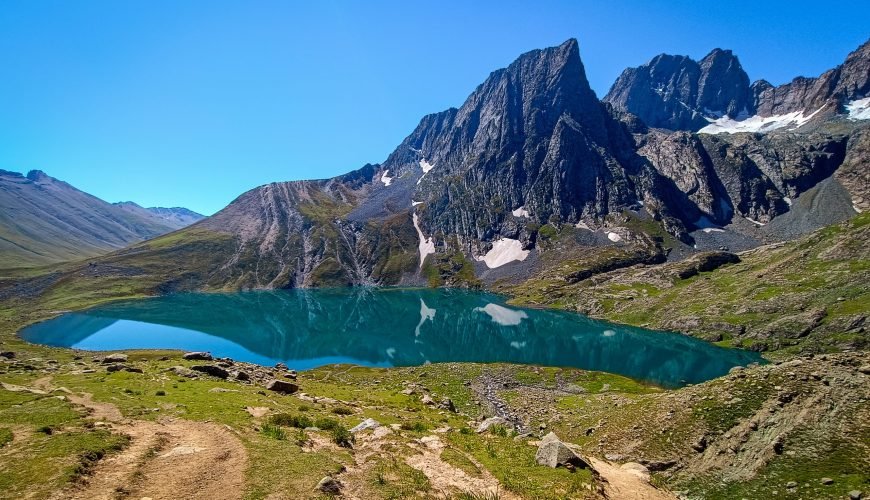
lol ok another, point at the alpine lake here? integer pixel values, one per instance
(307, 328)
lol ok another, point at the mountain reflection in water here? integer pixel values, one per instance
(386, 327)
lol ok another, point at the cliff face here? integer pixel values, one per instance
(678, 93)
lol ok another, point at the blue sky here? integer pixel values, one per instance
(194, 102)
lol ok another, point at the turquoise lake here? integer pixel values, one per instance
(386, 327)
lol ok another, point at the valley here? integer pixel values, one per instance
(687, 201)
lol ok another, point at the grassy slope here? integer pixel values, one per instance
(50, 221)
(807, 294)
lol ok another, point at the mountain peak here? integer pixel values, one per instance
(38, 175)
(679, 93)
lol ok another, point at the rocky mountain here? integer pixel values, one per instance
(531, 162)
(714, 94)
(178, 217)
(45, 220)
(679, 93)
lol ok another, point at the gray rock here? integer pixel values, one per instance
(241, 375)
(855, 495)
(214, 371)
(827, 481)
(552, 452)
(7, 355)
(700, 445)
(448, 405)
(366, 424)
(197, 356)
(330, 486)
(486, 424)
(282, 386)
(183, 371)
(791, 484)
(115, 358)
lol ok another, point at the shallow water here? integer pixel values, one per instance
(386, 327)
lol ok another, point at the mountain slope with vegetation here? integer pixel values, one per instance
(44, 220)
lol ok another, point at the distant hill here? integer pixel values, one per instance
(45, 220)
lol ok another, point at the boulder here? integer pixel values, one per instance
(486, 424)
(282, 386)
(366, 424)
(115, 358)
(448, 405)
(553, 453)
(637, 469)
(117, 367)
(855, 495)
(427, 400)
(7, 355)
(182, 371)
(214, 371)
(197, 356)
(240, 375)
(330, 486)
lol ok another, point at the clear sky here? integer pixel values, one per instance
(192, 103)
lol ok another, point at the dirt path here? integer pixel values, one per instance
(622, 484)
(446, 478)
(168, 459)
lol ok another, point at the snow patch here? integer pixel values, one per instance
(520, 212)
(502, 315)
(426, 166)
(788, 121)
(415, 203)
(427, 246)
(613, 237)
(859, 109)
(582, 225)
(713, 230)
(518, 345)
(787, 200)
(503, 251)
(754, 221)
(385, 178)
(426, 314)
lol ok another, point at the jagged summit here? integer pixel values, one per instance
(714, 95)
(679, 93)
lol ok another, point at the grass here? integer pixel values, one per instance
(5, 436)
(826, 270)
(287, 420)
(60, 449)
(274, 432)
(391, 478)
